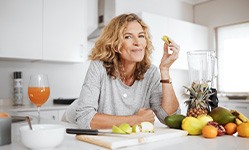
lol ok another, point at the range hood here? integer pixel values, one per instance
(106, 11)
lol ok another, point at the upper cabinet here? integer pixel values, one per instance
(51, 30)
(64, 30)
(188, 35)
(21, 29)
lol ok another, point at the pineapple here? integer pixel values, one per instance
(198, 101)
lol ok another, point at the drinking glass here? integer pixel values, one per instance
(38, 90)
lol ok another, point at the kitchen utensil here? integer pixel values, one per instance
(202, 66)
(86, 131)
(29, 122)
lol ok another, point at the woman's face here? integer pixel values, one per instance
(134, 43)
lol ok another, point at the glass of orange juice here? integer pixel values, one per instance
(38, 90)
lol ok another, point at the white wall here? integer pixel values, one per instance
(219, 13)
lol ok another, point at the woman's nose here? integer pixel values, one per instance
(136, 41)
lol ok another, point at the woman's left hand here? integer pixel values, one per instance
(168, 59)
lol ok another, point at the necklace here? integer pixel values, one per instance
(123, 76)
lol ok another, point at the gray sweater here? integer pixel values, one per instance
(100, 93)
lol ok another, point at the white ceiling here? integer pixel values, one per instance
(194, 2)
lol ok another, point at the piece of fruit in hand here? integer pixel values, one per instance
(166, 39)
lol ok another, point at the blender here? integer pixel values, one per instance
(202, 66)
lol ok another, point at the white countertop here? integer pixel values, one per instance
(225, 142)
(49, 105)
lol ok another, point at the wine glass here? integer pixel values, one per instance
(38, 90)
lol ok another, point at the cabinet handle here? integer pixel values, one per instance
(241, 107)
(53, 117)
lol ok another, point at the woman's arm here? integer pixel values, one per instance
(170, 102)
(105, 121)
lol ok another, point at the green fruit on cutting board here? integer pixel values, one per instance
(126, 128)
(135, 128)
(222, 115)
(116, 129)
(192, 125)
(174, 121)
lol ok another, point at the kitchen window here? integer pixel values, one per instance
(233, 58)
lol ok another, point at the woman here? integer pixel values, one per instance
(121, 84)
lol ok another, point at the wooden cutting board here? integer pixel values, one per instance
(113, 141)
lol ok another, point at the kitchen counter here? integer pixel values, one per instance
(49, 105)
(187, 142)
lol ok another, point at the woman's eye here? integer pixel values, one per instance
(141, 36)
(127, 37)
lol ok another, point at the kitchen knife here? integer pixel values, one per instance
(86, 131)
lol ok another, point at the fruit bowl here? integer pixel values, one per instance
(42, 136)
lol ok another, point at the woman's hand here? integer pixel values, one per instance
(168, 59)
(145, 114)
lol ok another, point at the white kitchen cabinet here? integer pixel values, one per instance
(188, 35)
(64, 30)
(51, 30)
(240, 106)
(21, 29)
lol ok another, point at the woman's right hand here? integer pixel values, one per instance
(145, 114)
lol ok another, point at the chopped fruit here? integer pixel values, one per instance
(116, 129)
(126, 128)
(166, 39)
(135, 128)
(147, 127)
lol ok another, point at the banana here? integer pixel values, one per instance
(238, 121)
(239, 115)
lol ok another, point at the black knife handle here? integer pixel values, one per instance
(82, 131)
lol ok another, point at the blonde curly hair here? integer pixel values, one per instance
(111, 40)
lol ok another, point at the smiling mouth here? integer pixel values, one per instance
(136, 50)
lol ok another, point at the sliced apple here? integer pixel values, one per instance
(126, 128)
(136, 128)
(147, 127)
(116, 129)
(166, 39)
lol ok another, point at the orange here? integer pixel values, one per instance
(243, 129)
(230, 128)
(209, 131)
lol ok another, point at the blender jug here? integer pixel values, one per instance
(202, 66)
(203, 69)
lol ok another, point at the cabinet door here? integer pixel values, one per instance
(21, 29)
(190, 37)
(64, 34)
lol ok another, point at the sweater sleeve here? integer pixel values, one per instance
(88, 100)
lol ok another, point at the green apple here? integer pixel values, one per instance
(166, 39)
(135, 128)
(116, 129)
(126, 128)
(147, 127)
